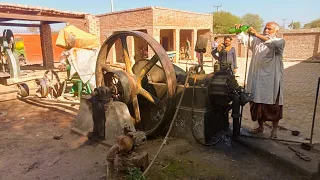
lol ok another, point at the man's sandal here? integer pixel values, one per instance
(273, 135)
(256, 131)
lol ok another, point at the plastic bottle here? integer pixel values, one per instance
(239, 30)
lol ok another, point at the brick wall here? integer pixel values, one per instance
(302, 45)
(90, 25)
(206, 33)
(82, 26)
(125, 20)
(181, 19)
(93, 25)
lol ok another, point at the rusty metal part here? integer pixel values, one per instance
(23, 89)
(53, 82)
(43, 88)
(125, 143)
(133, 81)
(306, 146)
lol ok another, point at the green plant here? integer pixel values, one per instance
(135, 173)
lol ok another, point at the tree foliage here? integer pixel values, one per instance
(222, 21)
(253, 20)
(313, 24)
(295, 25)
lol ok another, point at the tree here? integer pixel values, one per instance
(295, 25)
(253, 20)
(313, 24)
(222, 21)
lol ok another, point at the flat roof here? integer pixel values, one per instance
(147, 8)
(10, 11)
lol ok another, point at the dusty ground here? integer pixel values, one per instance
(28, 151)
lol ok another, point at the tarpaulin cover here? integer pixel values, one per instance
(83, 62)
(72, 37)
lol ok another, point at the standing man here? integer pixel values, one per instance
(265, 75)
(214, 46)
(187, 49)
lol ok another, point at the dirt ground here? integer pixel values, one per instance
(29, 151)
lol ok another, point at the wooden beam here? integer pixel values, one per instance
(3, 19)
(19, 24)
(27, 17)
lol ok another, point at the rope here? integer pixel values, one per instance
(170, 128)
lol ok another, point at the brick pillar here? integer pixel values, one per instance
(176, 44)
(194, 37)
(46, 45)
(112, 54)
(130, 41)
(93, 25)
(155, 33)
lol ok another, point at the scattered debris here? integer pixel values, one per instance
(33, 166)
(3, 113)
(165, 166)
(57, 159)
(58, 137)
(300, 155)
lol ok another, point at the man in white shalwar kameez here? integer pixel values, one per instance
(265, 75)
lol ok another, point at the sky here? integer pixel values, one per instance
(272, 10)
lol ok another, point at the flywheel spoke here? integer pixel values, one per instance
(126, 53)
(151, 98)
(135, 104)
(146, 68)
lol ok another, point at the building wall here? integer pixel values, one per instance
(302, 45)
(125, 20)
(181, 19)
(32, 48)
(206, 33)
(136, 19)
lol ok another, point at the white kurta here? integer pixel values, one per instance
(265, 76)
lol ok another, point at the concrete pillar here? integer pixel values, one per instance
(194, 37)
(176, 44)
(46, 45)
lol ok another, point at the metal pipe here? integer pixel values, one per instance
(235, 115)
(284, 140)
(111, 1)
(245, 75)
(314, 112)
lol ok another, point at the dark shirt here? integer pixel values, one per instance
(230, 56)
